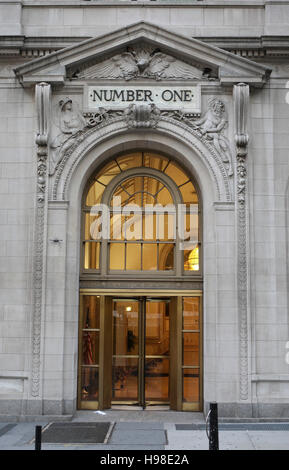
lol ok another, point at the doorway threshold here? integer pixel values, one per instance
(140, 408)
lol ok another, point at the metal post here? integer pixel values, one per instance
(214, 428)
(38, 430)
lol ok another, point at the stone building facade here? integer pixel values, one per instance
(187, 99)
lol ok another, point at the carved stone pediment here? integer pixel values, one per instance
(142, 50)
(141, 61)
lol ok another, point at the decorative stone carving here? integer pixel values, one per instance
(142, 62)
(241, 99)
(142, 115)
(42, 98)
(101, 116)
(211, 126)
(71, 123)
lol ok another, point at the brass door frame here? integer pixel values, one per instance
(106, 352)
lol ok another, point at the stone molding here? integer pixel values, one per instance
(241, 101)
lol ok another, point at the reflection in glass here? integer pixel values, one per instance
(90, 347)
(133, 256)
(166, 257)
(191, 385)
(157, 328)
(149, 257)
(192, 259)
(91, 255)
(157, 379)
(191, 348)
(164, 197)
(91, 312)
(116, 256)
(191, 225)
(117, 227)
(130, 161)
(108, 172)
(191, 313)
(188, 193)
(89, 383)
(155, 161)
(94, 194)
(124, 379)
(125, 327)
(176, 173)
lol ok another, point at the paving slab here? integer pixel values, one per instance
(140, 416)
(273, 440)
(132, 425)
(138, 437)
(235, 440)
(19, 435)
(186, 440)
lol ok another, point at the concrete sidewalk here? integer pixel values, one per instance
(153, 430)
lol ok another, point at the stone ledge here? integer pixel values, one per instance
(33, 418)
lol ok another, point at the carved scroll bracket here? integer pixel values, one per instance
(42, 99)
(241, 100)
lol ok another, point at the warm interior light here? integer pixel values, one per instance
(193, 259)
(128, 309)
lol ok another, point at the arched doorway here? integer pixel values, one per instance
(140, 335)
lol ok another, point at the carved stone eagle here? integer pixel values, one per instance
(140, 62)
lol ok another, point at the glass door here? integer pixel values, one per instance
(157, 352)
(140, 365)
(126, 351)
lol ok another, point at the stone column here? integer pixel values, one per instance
(42, 100)
(241, 100)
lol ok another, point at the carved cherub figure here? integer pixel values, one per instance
(212, 126)
(71, 123)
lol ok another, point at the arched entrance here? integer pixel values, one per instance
(140, 342)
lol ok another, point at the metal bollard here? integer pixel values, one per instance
(213, 434)
(38, 430)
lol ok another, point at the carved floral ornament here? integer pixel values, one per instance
(72, 125)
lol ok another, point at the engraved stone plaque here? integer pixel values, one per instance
(186, 98)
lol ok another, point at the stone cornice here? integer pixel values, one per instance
(148, 3)
(248, 47)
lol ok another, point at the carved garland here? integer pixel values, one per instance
(241, 98)
(42, 98)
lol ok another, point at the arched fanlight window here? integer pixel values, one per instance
(144, 239)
